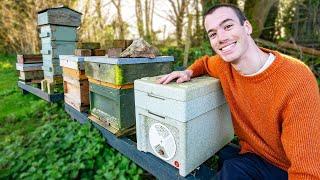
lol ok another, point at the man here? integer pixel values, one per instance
(273, 98)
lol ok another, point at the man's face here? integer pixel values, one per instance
(228, 37)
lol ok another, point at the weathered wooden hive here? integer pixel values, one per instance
(75, 82)
(29, 67)
(183, 124)
(58, 37)
(111, 87)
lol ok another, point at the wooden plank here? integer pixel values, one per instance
(29, 58)
(126, 86)
(98, 52)
(149, 162)
(88, 45)
(81, 117)
(79, 75)
(38, 92)
(82, 52)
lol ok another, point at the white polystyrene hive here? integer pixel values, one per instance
(183, 124)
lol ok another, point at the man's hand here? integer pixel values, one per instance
(181, 76)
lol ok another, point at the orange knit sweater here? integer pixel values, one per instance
(276, 114)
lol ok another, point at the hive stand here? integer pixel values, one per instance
(149, 162)
(27, 88)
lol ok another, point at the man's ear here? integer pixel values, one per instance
(247, 27)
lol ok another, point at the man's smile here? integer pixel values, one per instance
(228, 47)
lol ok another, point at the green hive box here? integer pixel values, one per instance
(121, 71)
(115, 106)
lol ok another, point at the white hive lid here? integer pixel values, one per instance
(186, 91)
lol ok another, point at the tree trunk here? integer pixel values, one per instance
(177, 17)
(188, 42)
(257, 12)
(119, 24)
(139, 17)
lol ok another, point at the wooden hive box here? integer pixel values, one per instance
(112, 108)
(59, 16)
(76, 93)
(121, 71)
(31, 75)
(57, 33)
(55, 48)
(29, 58)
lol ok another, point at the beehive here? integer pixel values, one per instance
(76, 85)
(121, 71)
(183, 124)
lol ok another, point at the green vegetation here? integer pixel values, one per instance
(38, 140)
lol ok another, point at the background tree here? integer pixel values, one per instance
(118, 24)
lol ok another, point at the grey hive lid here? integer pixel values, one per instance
(186, 91)
(107, 60)
(58, 7)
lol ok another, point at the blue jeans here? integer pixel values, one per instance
(235, 166)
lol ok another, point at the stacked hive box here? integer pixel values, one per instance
(89, 49)
(111, 88)
(118, 46)
(58, 37)
(183, 124)
(75, 82)
(30, 68)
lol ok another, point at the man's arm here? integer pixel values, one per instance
(301, 130)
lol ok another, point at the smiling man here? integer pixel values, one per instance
(273, 98)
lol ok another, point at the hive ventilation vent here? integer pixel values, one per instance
(162, 141)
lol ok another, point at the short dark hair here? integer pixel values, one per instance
(242, 18)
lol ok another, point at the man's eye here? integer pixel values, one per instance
(212, 35)
(228, 27)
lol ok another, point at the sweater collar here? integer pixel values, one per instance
(266, 73)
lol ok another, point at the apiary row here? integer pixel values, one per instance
(182, 124)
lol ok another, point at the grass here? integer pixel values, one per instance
(38, 140)
(14, 106)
